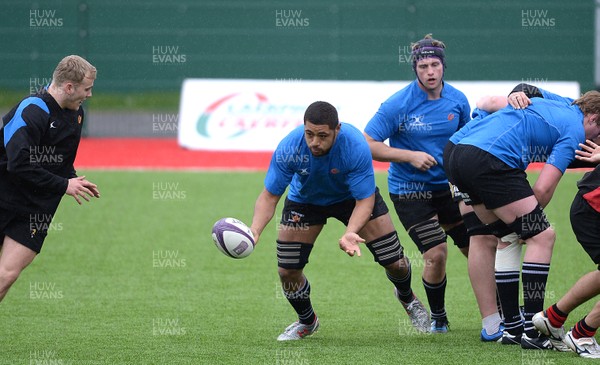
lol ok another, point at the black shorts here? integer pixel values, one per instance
(457, 195)
(484, 177)
(301, 214)
(28, 229)
(585, 221)
(413, 211)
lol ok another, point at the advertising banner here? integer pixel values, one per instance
(254, 115)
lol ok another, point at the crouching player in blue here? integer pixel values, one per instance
(328, 168)
(488, 162)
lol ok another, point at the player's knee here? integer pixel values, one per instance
(8, 277)
(436, 256)
(427, 235)
(387, 250)
(544, 240)
(289, 275)
(548, 235)
(487, 242)
(401, 267)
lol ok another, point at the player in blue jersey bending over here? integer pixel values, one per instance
(418, 120)
(40, 137)
(482, 246)
(328, 168)
(585, 219)
(488, 163)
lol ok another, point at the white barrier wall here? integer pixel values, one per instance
(254, 115)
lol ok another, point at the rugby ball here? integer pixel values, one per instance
(233, 238)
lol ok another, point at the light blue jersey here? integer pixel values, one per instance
(480, 113)
(411, 122)
(476, 115)
(346, 172)
(548, 130)
(551, 96)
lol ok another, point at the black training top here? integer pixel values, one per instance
(39, 144)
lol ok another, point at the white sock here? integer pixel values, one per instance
(491, 323)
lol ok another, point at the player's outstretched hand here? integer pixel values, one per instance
(79, 187)
(422, 160)
(519, 100)
(589, 152)
(349, 243)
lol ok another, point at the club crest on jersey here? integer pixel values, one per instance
(450, 116)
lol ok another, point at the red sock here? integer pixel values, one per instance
(581, 329)
(555, 316)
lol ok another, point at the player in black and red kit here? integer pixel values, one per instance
(585, 220)
(40, 137)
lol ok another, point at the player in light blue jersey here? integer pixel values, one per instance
(488, 162)
(417, 121)
(328, 168)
